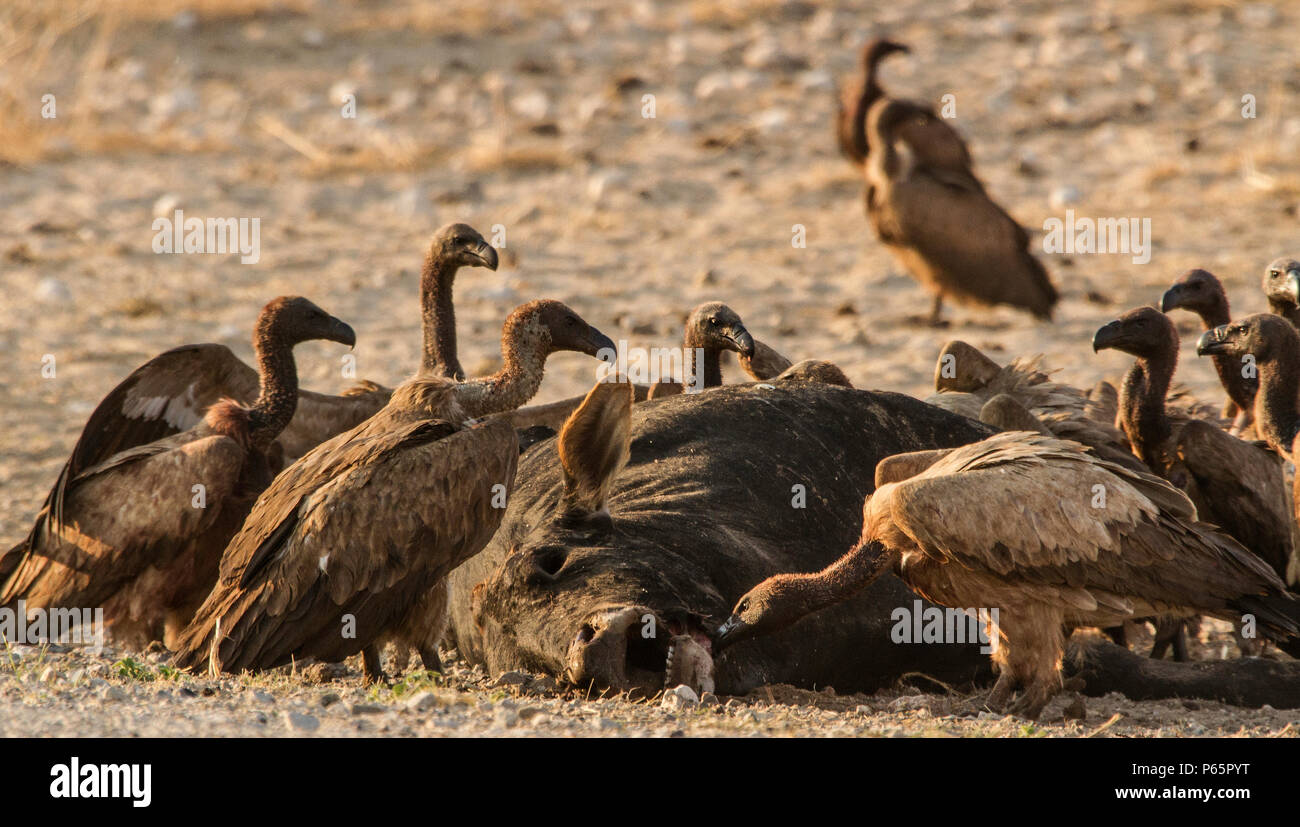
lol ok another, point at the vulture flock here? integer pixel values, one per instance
(246, 523)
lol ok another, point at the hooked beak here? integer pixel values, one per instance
(597, 341)
(342, 332)
(487, 254)
(734, 629)
(1107, 335)
(1213, 341)
(1293, 284)
(1171, 299)
(740, 337)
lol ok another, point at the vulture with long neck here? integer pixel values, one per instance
(140, 533)
(1282, 288)
(347, 549)
(942, 227)
(934, 137)
(711, 328)
(1011, 523)
(1200, 292)
(1236, 485)
(966, 381)
(1274, 345)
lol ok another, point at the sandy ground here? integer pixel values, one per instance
(529, 115)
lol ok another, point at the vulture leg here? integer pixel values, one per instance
(1171, 631)
(372, 670)
(936, 312)
(1033, 660)
(1000, 697)
(429, 657)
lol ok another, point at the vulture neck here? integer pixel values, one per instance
(439, 318)
(1286, 310)
(1142, 406)
(524, 348)
(871, 92)
(277, 395)
(839, 581)
(1229, 369)
(1275, 404)
(704, 361)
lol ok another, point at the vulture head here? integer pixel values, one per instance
(292, 319)
(771, 605)
(716, 327)
(1282, 282)
(1196, 290)
(462, 246)
(1143, 332)
(559, 328)
(963, 368)
(877, 49)
(1262, 336)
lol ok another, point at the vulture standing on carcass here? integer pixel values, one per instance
(1236, 485)
(939, 223)
(710, 329)
(1011, 523)
(966, 381)
(141, 532)
(1282, 289)
(346, 549)
(1202, 293)
(1274, 345)
(930, 133)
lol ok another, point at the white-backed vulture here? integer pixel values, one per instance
(1011, 523)
(141, 532)
(1236, 485)
(369, 523)
(1200, 292)
(930, 133)
(939, 223)
(764, 363)
(1274, 345)
(814, 370)
(1282, 288)
(711, 328)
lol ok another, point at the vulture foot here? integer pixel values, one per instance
(372, 670)
(429, 657)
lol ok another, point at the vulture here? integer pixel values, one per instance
(942, 227)
(764, 363)
(932, 135)
(348, 547)
(767, 365)
(710, 329)
(1202, 293)
(140, 532)
(966, 381)
(1236, 485)
(1011, 523)
(1282, 289)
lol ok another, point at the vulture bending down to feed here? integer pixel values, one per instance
(370, 522)
(710, 329)
(1282, 288)
(1011, 523)
(942, 227)
(1275, 346)
(141, 532)
(767, 365)
(1203, 294)
(930, 133)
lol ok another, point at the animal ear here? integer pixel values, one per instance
(900, 467)
(962, 367)
(593, 446)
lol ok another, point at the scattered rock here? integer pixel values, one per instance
(301, 722)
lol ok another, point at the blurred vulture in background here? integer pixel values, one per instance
(939, 223)
(1202, 293)
(1012, 522)
(140, 533)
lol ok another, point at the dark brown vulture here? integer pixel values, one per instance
(966, 381)
(1011, 523)
(814, 370)
(1235, 484)
(942, 227)
(357, 535)
(934, 137)
(1282, 288)
(141, 532)
(711, 328)
(1274, 345)
(1202, 293)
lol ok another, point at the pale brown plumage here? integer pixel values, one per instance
(140, 532)
(942, 227)
(354, 534)
(765, 362)
(1013, 523)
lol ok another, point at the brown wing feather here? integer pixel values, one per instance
(374, 518)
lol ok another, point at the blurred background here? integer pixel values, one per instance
(533, 117)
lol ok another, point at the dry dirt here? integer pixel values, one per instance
(529, 115)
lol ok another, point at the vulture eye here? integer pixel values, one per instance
(743, 606)
(713, 322)
(1274, 273)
